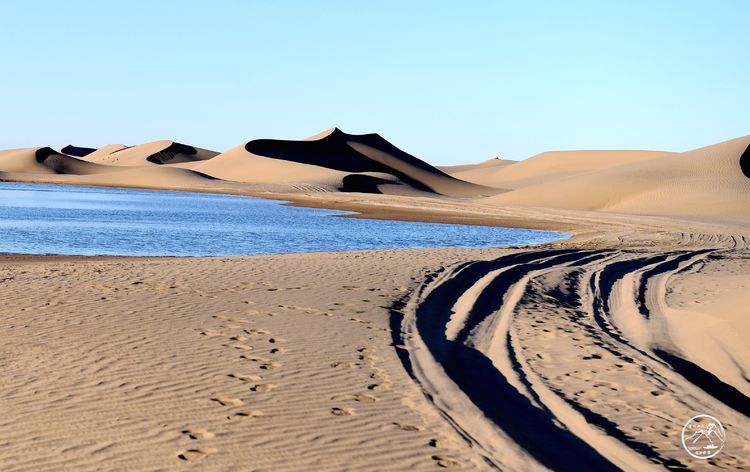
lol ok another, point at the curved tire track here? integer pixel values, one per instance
(472, 335)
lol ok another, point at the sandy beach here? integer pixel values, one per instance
(586, 354)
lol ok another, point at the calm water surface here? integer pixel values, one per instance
(58, 219)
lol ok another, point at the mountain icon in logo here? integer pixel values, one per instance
(703, 437)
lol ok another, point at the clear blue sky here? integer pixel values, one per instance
(450, 82)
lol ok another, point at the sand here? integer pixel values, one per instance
(587, 354)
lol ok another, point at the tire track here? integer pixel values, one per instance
(478, 338)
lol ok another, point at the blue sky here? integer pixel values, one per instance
(450, 82)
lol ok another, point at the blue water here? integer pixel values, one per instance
(67, 220)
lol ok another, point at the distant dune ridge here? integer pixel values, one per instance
(713, 180)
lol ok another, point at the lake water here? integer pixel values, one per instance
(68, 220)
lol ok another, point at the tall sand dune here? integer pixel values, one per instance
(339, 160)
(709, 181)
(156, 152)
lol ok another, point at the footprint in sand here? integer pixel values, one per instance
(198, 433)
(344, 365)
(262, 388)
(246, 414)
(442, 443)
(228, 401)
(363, 398)
(277, 350)
(257, 331)
(257, 359)
(244, 347)
(234, 320)
(269, 366)
(260, 313)
(345, 411)
(407, 427)
(446, 462)
(193, 455)
(213, 334)
(246, 377)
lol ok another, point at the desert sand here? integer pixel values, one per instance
(586, 354)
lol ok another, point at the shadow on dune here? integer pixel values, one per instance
(362, 183)
(170, 152)
(76, 151)
(707, 382)
(745, 162)
(59, 163)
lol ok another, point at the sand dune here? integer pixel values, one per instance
(339, 161)
(156, 152)
(708, 181)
